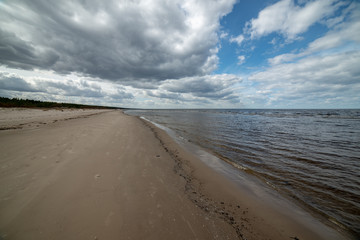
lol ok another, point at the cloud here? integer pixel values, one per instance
(241, 59)
(289, 19)
(322, 74)
(239, 39)
(223, 35)
(210, 90)
(126, 41)
(210, 86)
(121, 94)
(284, 58)
(344, 34)
(173, 97)
(18, 53)
(332, 69)
(315, 81)
(13, 84)
(68, 88)
(203, 89)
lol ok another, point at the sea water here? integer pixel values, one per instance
(310, 156)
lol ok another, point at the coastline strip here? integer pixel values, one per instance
(250, 213)
(113, 176)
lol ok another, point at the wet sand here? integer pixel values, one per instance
(104, 175)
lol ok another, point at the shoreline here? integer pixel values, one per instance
(274, 203)
(111, 176)
(256, 187)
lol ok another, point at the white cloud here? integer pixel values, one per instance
(289, 19)
(345, 33)
(241, 59)
(324, 74)
(223, 35)
(51, 87)
(239, 39)
(283, 58)
(335, 68)
(273, 41)
(314, 81)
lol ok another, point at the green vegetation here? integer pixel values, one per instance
(26, 103)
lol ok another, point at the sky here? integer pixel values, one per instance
(182, 53)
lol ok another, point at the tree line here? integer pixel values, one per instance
(27, 103)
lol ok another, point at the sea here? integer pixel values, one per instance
(310, 156)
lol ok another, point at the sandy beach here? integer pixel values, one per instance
(100, 174)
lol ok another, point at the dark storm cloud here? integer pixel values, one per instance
(17, 53)
(128, 41)
(13, 83)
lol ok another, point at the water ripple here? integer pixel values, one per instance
(311, 156)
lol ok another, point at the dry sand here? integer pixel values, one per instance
(18, 118)
(106, 175)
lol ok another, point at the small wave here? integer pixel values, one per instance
(309, 155)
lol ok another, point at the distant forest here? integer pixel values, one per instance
(26, 103)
